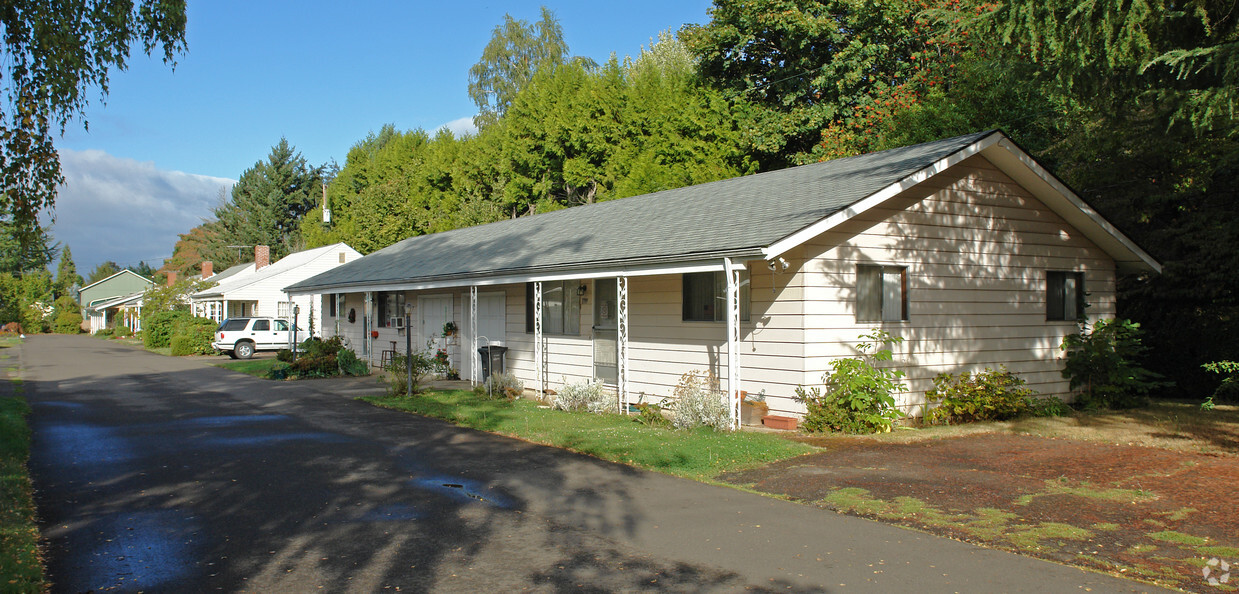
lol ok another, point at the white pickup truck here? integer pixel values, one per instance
(240, 338)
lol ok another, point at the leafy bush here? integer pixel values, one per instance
(192, 336)
(279, 371)
(68, 318)
(652, 415)
(1228, 390)
(699, 402)
(991, 395)
(1049, 406)
(1104, 364)
(583, 395)
(120, 331)
(350, 365)
(504, 385)
(398, 373)
(12, 328)
(158, 327)
(284, 356)
(859, 395)
(315, 366)
(105, 333)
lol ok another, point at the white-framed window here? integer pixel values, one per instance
(284, 310)
(1064, 296)
(391, 308)
(561, 307)
(705, 296)
(881, 293)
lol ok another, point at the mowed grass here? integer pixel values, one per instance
(20, 566)
(254, 367)
(699, 454)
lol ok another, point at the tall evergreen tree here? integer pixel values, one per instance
(22, 251)
(266, 208)
(66, 274)
(102, 271)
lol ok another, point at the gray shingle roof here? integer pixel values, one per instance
(737, 217)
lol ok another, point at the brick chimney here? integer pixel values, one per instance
(208, 269)
(171, 278)
(262, 257)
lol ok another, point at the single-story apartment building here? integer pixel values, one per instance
(967, 248)
(256, 288)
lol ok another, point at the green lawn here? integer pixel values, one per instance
(254, 367)
(20, 567)
(700, 454)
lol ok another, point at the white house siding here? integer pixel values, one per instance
(976, 250)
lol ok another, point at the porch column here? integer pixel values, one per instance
(733, 341)
(225, 314)
(366, 322)
(340, 310)
(621, 287)
(539, 359)
(474, 357)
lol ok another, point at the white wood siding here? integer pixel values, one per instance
(976, 250)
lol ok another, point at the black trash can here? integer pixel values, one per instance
(492, 359)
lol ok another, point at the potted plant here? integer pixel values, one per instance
(449, 329)
(753, 407)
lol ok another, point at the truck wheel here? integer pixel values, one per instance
(244, 350)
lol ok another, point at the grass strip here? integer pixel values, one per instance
(20, 566)
(255, 367)
(699, 454)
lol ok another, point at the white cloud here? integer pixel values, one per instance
(127, 211)
(460, 126)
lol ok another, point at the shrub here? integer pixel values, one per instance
(120, 331)
(193, 335)
(279, 371)
(105, 333)
(398, 373)
(68, 319)
(158, 327)
(284, 356)
(1104, 364)
(12, 328)
(350, 365)
(504, 385)
(990, 395)
(583, 395)
(651, 415)
(859, 395)
(1228, 390)
(315, 366)
(699, 402)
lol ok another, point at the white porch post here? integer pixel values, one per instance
(340, 311)
(474, 357)
(621, 286)
(366, 323)
(733, 341)
(226, 314)
(539, 359)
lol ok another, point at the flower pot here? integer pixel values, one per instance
(779, 422)
(751, 413)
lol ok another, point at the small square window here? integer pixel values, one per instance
(561, 307)
(1064, 296)
(881, 293)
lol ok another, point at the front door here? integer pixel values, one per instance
(436, 311)
(606, 331)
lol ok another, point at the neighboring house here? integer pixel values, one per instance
(256, 288)
(117, 296)
(966, 248)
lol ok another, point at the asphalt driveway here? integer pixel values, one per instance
(161, 474)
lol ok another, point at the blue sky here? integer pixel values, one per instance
(323, 74)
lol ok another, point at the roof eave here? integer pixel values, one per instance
(701, 262)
